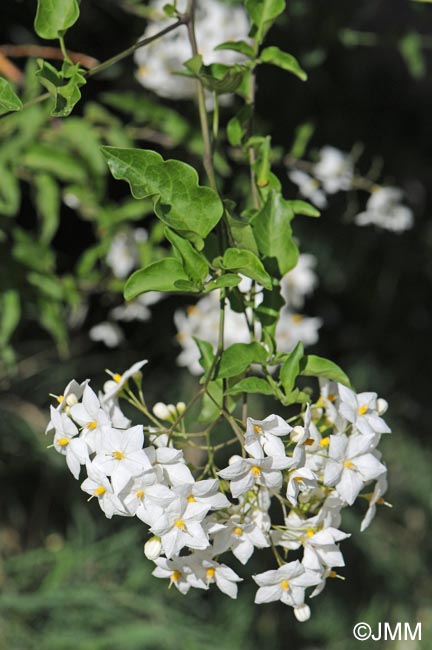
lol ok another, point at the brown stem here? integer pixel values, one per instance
(24, 51)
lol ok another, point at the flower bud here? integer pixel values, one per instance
(161, 411)
(172, 411)
(109, 385)
(152, 548)
(297, 434)
(71, 400)
(302, 613)
(234, 459)
(181, 407)
(382, 406)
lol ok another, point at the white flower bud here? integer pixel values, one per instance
(172, 411)
(302, 613)
(71, 400)
(109, 385)
(382, 406)
(181, 407)
(297, 434)
(234, 459)
(161, 411)
(152, 548)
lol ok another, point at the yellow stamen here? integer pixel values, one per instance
(309, 442)
(238, 531)
(349, 464)
(310, 532)
(191, 499)
(299, 479)
(362, 409)
(117, 377)
(192, 309)
(324, 442)
(91, 425)
(175, 576)
(380, 501)
(210, 573)
(117, 455)
(60, 398)
(63, 442)
(180, 524)
(297, 318)
(331, 397)
(256, 471)
(99, 491)
(332, 574)
(285, 585)
(258, 430)
(140, 494)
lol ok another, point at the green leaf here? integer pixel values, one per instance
(302, 136)
(263, 13)
(273, 233)
(283, 60)
(244, 261)
(238, 125)
(239, 357)
(58, 163)
(159, 276)
(64, 86)
(304, 208)
(47, 201)
(10, 312)
(54, 17)
(221, 78)
(226, 280)
(314, 366)
(10, 194)
(194, 64)
(237, 46)
(179, 201)
(194, 263)
(251, 385)
(290, 369)
(9, 101)
(206, 353)
(411, 49)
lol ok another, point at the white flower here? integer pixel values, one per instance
(92, 418)
(309, 187)
(376, 498)
(361, 411)
(204, 492)
(244, 474)
(67, 443)
(292, 328)
(321, 550)
(211, 572)
(334, 169)
(300, 282)
(263, 436)
(169, 465)
(99, 486)
(123, 255)
(70, 396)
(384, 209)
(160, 61)
(137, 309)
(300, 480)
(178, 570)
(142, 493)
(302, 613)
(242, 537)
(121, 455)
(107, 333)
(180, 525)
(287, 584)
(121, 380)
(351, 464)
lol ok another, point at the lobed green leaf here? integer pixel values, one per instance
(54, 17)
(9, 100)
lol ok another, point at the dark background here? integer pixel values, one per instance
(72, 579)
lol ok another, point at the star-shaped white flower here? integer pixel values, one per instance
(263, 436)
(67, 442)
(351, 463)
(245, 473)
(180, 526)
(287, 584)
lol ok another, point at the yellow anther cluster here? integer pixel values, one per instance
(349, 464)
(210, 573)
(99, 491)
(117, 377)
(362, 409)
(140, 494)
(256, 471)
(285, 585)
(180, 524)
(175, 576)
(238, 531)
(118, 455)
(91, 425)
(191, 499)
(63, 442)
(324, 442)
(258, 430)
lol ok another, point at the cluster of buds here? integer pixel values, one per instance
(196, 517)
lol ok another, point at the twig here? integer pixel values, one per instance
(55, 53)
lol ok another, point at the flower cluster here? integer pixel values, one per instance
(201, 320)
(309, 468)
(160, 62)
(334, 172)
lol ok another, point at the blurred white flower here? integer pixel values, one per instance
(384, 209)
(123, 254)
(159, 62)
(107, 333)
(300, 282)
(309, 187)
(334, 169)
